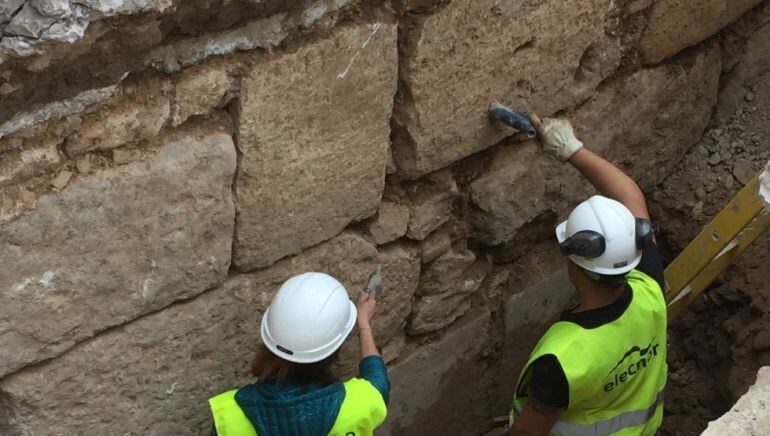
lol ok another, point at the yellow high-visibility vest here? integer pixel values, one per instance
(362, 410)
(616, 372)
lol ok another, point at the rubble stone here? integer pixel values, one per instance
(444, 289)
(115, 245)
(430, 203)
(25, 163)
(509, 194)
(314, 134)
(540, 57)
(441, 240)
(8, 8)
(132, 120)
(51, 8)
(400, 275)
(390, 224)
(62, 179)
(675, 25)
(28, 22)
(199, 90)
(743, 170)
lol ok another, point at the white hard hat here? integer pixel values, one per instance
(605, 232)
(308, 319)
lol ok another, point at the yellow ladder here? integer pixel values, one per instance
(736, 227)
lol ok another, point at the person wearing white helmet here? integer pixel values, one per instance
(601, 369)
(296, 393)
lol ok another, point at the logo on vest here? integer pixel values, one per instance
(633, 361)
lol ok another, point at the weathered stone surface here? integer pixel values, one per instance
(430, 203)
(390, 223)
(527, 315)
(445, 287)
(198, 91)
(25, 163)
(314, 133)
(441, 240)
(162, 367)
(509, 194)
(129, 120)
(753, 65)
(153, 375)
(400, 275)
(676, 24)
(115, 245)
(541, 56)
(637, 120)
(8, 8)
(77, 104)
(28, 22)
(266, 34)
(69, 29)
(750, 416)
(430, 390)
(51, 8)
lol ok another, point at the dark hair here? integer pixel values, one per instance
(269, 367)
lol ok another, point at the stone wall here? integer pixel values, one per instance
(165, 164)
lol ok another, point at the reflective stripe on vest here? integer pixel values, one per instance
(362, 410)
(608, 426)
(616, 372)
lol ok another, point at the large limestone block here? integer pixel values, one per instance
(647, 121)
(115, 245)
(314, 132)
(750, 416)
(541, 56)
(154, 374)
(677, 24)
(442, 389)
(509, 194)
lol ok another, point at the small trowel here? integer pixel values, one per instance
(375, 282)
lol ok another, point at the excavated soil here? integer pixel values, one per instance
(719, 343)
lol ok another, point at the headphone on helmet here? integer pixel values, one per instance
(590, 244)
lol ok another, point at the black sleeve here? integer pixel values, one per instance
(548, 385)
(652, 265)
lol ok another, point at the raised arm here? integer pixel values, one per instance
(558, 139)
(371, 367)
(367, 305)
(610, 181)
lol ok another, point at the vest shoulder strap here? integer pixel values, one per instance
(361, 412)
(229, 419)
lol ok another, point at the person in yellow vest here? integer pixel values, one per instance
(601, 368)
(295, 392)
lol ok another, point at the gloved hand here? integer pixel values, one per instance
(556, 137)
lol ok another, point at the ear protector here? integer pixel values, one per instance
(590, 244)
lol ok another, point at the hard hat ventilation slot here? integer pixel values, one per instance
(285, 350)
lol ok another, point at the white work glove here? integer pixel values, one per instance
(556, 137)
